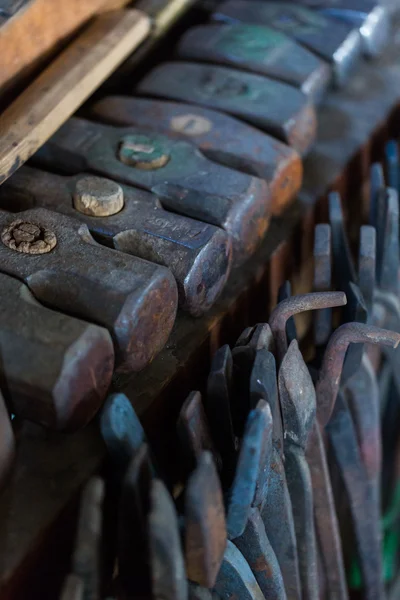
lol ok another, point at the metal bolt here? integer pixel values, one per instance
(28, 238)
(142, 152)
(98, 197)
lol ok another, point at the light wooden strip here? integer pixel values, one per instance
(44, 106)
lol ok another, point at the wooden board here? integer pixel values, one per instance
(37, 29)
(57, 93)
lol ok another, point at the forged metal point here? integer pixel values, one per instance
(261, 337)
(331, 370)
(297, 304)
(235, 579)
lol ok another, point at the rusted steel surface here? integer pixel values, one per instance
(367, 266)
(297, 304)
(198, 254)
(337, 43)
(135, 299)
(86, 559)
(235, 579)
(290, 117)
(258, 49)
(205, 529)
(7, 443)
(220, 137)
(298, 402)
(235, 201)
(193, 430)
(165, 552)
(322, 281)
(284, 293)
(56, 369)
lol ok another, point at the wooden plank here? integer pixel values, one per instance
(66, 84)
(31, 29)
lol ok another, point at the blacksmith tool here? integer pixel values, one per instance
(220, 138)
(284, 293)
(55, 369)
(377, 204)
(168, 577)
(193, 431)
(86, 559)
(370, 16)
(132, 220)
(185, 181)
(392, 165)
(337, 43)
(204, 523)
(290, 116)
(235, 579)
(66, 269)
(298, 405)
(322, 281)
(7, 442)
(257, 49)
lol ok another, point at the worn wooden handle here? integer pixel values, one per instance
(40, 110)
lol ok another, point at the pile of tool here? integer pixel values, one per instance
(289, 475)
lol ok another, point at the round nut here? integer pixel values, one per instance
(98, 197)
(28, 238)
(142, 152)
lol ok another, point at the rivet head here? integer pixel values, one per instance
(28, 238)
(142, 152)
(98, 197)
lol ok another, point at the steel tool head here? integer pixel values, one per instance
(259, 555)
(297, 304)
(175, 170)
(343, 264)
(168, 575)
(290, 117)
(121, 429)
(193, 429)
(393, 165)
(335, 42)
(87, 552)
(135, 299)
(329, 379)
(322, 280)
(220, 137)
(367, 266)
(297, 397)
(242, 492)
(198, 254)
(377, 195)
(64, 365)
(258, 49)
(235, 579)
(388, 277)
(284, 293)
(205, 529)
(265, 457)
(244, 337)
(261, 337)
(7, 442)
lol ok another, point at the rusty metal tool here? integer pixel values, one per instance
(337, 43)
(193, 430)
(133, 221)
(322, 281)
(55, 369)
(298, 405)
(7, 442)
(242, 492)
(235, 579)
(204, 523)
(66, 269)
(284, 293)
(297, 304)
(392, 165)
(326, 391)
(133, 534)
(184, 180)
(220, 138)
(86, 559)
(218, 410)
(258, 49)
(275, 504)
(168, 575)
(369, 16)
(290, 116)
(362, 498)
